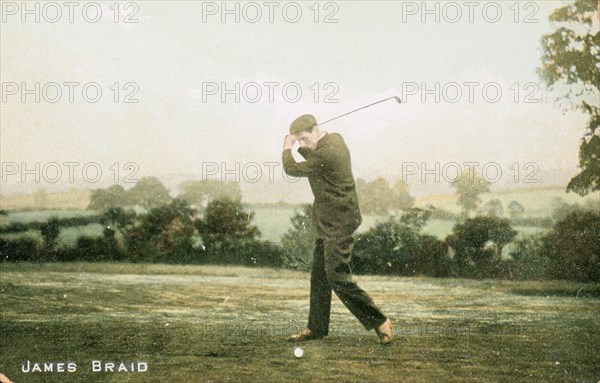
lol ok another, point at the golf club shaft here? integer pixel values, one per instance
(364, 107)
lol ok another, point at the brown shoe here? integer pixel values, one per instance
(385, 332)
(306, 334)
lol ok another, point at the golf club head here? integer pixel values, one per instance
(398, 99)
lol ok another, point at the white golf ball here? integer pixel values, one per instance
(298, 352)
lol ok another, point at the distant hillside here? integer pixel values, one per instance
(538, 202)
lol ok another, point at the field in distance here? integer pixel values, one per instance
(274, 220)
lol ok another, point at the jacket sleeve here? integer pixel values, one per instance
(300, 169)
(304, 152)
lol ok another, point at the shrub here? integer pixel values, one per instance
(259, 253)
(163, 234)
(431, 257)
(397, 247)
(299, 242)
(515, 209)
(226, 229)
(50, 231)
(19, 250)
(530, 258)
(478, 244)
(574, 244)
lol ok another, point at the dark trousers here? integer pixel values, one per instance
(331, 271)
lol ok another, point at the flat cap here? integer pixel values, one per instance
(302, 123)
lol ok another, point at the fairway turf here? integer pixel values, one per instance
(218, 324)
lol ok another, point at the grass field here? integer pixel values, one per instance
(537, 201)
(216, 324)
(273, 222)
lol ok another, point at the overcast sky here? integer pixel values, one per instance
(185, 63)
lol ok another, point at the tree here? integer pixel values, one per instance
(515, 210)
(118, 218)
(562, 209)
(397, 246)
(469, 185)
(200, 192)
(401, 198)
(493, 208)
(117, 221)
(149, 192)
(164, 232)
(374, 197)
(50, 231)
(570, 64)
(575, 247)
(530, 257)
(40, 199)
(377, 197)
(589, 162)
(478, 243)
(114, 196)
(226, 229)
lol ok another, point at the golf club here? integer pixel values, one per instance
(364, 107)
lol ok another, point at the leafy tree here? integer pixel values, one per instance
(164, 233)
(401, 198)
(118, 218)
(570, 65)
(226, 228)
(200, 192)
(478, 244)
(592, 205)
(562, 209)
(117, 221)
(114, 196)
(469, 185)
(374, 197)
(50, 231)
(589, 162)
(515, 210)
(396, 246)
(493, 208)
(149, 192)
(575, 247)
(431, 257)
(40, 199)
(299, 241)
(377, 197)
(530, 258)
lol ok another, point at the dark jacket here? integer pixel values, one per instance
(329, 173)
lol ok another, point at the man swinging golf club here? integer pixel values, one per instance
(337, 215)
